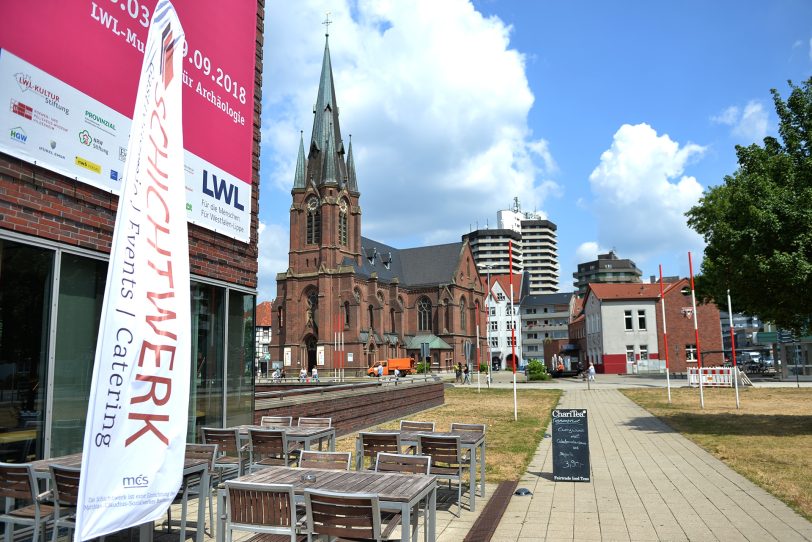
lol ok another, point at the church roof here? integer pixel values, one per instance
(422, 266)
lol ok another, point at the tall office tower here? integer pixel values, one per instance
(490, 248)
(607, 268)
(539, 244)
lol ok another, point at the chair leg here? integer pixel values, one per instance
(183, 514)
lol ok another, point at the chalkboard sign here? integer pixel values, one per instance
(570, 445)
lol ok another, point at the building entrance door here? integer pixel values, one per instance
(311, 353)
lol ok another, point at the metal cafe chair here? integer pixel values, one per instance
(446, 460)
(316, 422)
(268, 447)
(65, 482)
(230, 459)
(401, 463)
(266, 509)
(276, 421)
(411, 425)
(351, 516)
(371, 444)
(17, 483)
(325, 460)
(190, 485)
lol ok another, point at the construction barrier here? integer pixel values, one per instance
(720, 377)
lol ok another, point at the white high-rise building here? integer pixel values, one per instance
(535, 251)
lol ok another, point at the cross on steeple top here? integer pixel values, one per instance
(327, 22)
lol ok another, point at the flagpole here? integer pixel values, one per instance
(513, 331)
(733, 348)
(696, 334)
(478, 360)
(665, 335)
(487, 324)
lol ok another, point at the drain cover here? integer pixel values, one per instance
(523, 491)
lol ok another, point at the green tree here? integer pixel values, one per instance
(758, 224)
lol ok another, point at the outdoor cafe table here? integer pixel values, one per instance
(190, 466)
(396, 492)
(470, 441)
(305, 435)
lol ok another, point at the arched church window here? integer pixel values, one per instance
(424, 314)
(347, 314)
(392, 320)
(342, 222)
(313, 233)
(448, 320)
(371, 310)
(462, 315)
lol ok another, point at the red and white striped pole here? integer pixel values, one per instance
(513, 331)
(665, 335)
(733, 347)
(696, 334)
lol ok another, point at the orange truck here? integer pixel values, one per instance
(404, 365)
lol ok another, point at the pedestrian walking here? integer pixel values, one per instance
(466, 375)
(591, 371)
(314, 375)
(458, 373)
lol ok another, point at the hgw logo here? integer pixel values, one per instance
(135, 481)
(222, 190)
(17, 134)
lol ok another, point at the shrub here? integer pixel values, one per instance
(483, 367)
(536, 370)
(422, 367)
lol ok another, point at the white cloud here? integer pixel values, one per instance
(436, 102)
(749, 124)
(588, 251)
(641, 195)
(273, 258)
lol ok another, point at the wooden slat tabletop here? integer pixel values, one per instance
(75, 461)
(466, 437)
(294, 431)
(393, 487)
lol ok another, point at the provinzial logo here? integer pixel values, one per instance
(84, 138)
(18, 134)
(99, 121)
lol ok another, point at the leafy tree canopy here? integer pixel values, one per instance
(758, 224)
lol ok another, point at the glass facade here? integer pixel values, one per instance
(50, 306)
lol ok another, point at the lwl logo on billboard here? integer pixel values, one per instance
(222, 190)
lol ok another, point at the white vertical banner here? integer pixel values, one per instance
(135, 436)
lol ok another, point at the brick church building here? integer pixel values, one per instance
(385, 301)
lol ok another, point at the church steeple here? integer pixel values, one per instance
(352, 182)
(325, 158)
(299, 177)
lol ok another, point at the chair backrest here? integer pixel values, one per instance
(445, 452)
(260, 508)
(413, 464)
(268, 443)
(468, 428)
(17, 481)
(315, 422)
(202, 451)
(66, 484)
(276, 421)
(325, 460)
(227, 440)
(346, 515)
(374, 443)
(410, 425)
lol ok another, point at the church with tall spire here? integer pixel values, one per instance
(384, 302)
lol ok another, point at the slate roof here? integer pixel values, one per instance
(422, 266)
(560, 298)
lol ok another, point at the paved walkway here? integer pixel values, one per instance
(648, 483)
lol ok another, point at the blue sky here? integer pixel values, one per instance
(610, 118)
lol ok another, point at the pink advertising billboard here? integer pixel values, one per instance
(88, 53)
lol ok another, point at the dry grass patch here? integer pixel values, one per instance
(768, 440)
(510, 444)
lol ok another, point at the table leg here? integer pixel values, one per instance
(145, 531)
(431, 514)
(205, 485)
(332, 438)
(482, 471)
(359, 454)
(405, 521)
(221, 511)
(472, 477)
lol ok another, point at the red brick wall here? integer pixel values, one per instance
(39, 202)
(681, 330)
